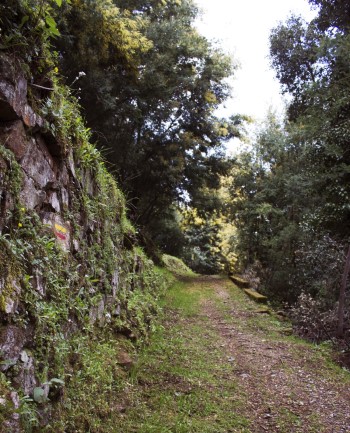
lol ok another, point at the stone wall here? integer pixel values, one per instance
(68, 262)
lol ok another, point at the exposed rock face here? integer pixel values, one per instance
(12, 340)
(12, 424)
(125, 361)
(13, 136)
(13, 96)
(26, 380)
(38, 165)
(43, 179)
(78, 276)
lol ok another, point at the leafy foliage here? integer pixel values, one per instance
(65, 298)
(312, 321)
(202, 249)
(290, 195)
(151, 109)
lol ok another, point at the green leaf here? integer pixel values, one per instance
(52, 25)
(24, 20)
(58, 3)
(54, 31)
(39, 395)
(56, 381)
(50, 21)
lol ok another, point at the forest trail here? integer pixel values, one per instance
(288, 386)
(219, 365)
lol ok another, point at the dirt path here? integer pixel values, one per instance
(289, 386)
(218, 365)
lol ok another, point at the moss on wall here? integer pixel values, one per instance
(75, 289)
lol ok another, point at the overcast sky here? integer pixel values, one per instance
(242, 28)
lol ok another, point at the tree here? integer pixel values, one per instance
(290, 196)
(153, 111)
(332, 14)
(202, 251)
(321, 102)
(272, 204)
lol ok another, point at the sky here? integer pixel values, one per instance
(242, 29)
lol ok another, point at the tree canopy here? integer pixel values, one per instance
(150, 88)
(290, 194)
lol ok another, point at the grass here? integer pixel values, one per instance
(180, 384)
(182, 381)
(272, 329)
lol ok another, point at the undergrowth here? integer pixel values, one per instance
(179, 384)
(72, 304)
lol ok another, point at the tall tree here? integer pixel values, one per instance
(291, 196)
(312, 63)
(153, 112)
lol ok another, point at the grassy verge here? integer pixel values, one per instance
(185, 380)
(179, 384)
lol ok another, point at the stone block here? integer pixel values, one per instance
(64, 198)
(7, 69)
(240, 282)
(7, 94)
(31, 197)
(7, 203)
(258, 297)
(54, 147)
(98, 313)
(10, 291)
(76, 245)
(12, 341)
(13, 136)
(89, 182)
(38, 282)
(117, 310)
(30, 118)
(36, 166)
(52, 199)
(60, 228)
(25, 380)
(115, 283)
(63, 176)
(42, 146)
(13, 423)
(14, 105)
(19, 101)
(125, 360)
(101, 310)
(71, 164)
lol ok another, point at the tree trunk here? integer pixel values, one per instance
(340, 332)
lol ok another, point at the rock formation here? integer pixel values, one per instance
(68, 260)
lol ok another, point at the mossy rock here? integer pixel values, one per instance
(263, 310)
(176, 266)
(258, 297)
(240, 282)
